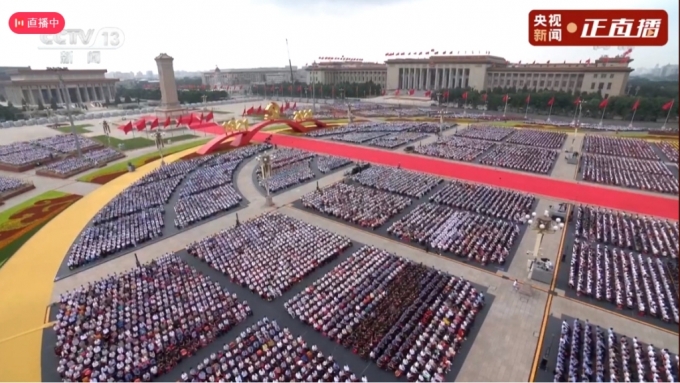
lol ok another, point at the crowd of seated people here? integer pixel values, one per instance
(74, 165)
(20, 155)
(269, 254)
(396, 180)
(284, 157)
(9, 184)
(138, 325)
(408, 318)
(394, 140)
(623, 278)
(194, 208)
(489, 133)
(455, 148)
(265, 352)
(522, 158)
(206, 178)
(478, 238)
(670, 150)
(651, 176)
(588, 353)
(108, 238)
(66, 143)
(541, 139)
(486, 200)
(327, 164)
(619, 147)
(359, 137)
(286, 176)
(382, 127)
(102, 156)
(642, 234)
(673, 272)
(21, 146)
(360, 205)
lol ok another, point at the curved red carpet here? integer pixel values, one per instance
(544, 186)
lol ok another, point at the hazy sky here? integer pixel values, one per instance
(200, 34)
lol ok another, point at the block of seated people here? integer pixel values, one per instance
(267, 352)
(619, 147)
(478, 238)
(455, 148)
(653, 176)
(407, 318)
(485, 200)
(138, 325)
(670, 150)
(287, 156)
(9, 184)
(74, 165)
(395, 140)
(327, 164)
(247, 252)
(398, 181)
(489, 133)
(538, 138)
(380, 129)
(66, 143)
(284, 177)
(522, 158)
(364, 206)
(589, 353)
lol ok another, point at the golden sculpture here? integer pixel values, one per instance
(230, 126)
(272, 111)
(242, 124)
(302, 115)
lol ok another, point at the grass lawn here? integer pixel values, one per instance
(128, 144)
(141, 160)
(220, 112)
(19, 223)
(80, 129)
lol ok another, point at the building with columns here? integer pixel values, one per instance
(41, 86)
(337, 72)
(229, 77)
(608, 75)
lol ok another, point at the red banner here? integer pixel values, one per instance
(640, 27)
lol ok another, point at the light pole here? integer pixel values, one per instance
(266, 170)
(160, 144)
(68, 107)
(542, 224)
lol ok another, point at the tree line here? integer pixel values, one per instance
(340, 90)
(564, 104)
(128, 95)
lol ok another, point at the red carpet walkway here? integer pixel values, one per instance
(555, 188)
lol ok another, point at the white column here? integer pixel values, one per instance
(411, 75)
(40, 96)
(57, 90)
(450, 84)
(427, 78)
(436, 78)
(87, 93)
(108, 93)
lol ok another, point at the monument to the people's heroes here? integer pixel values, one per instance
(170, 106)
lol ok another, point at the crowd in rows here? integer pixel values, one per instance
(363, 206)
(383, 127)
(44, 149)
(198, 207)
(359, 137)
(455, 148)
(642, 234)
(485, 200)
(619, 147)
(646, 175)
(541, 139)
(66, 143)
(25, 154)
(670, 150)
(623, 278)
(398, 181)
(286, 176)
(265, 352)
(408, 318)
(269, 254)
(586, 353)
(489, 133)
(522, 158)
(394, 140)
(10, 184)
(75, 165)
(137, 326)
(326, 164)
(286, 156)
(478, 238)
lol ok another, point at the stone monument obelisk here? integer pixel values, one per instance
(170, 106)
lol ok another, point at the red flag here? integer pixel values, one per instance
(283, 108)
(551, 102)
(180, 121)
(446, 94)
(167, 122)
(140, 125)
(668, 105)
(528, 98)
(250, 111)
(411, 92)
(465, 96)
(604, 103)
(577, 101)
(485, 96)
(287, 105)
(127, 127)
(428, 93)
(154, 123)
(191, 119)
(200, 119)
(259, 109)
(396, 92)
(299, 89)
(290, 88)
(244, 112)
(588, 61)
(506, 98)
(636, 104)
(295, 105)
(209, 117)
(383, 92)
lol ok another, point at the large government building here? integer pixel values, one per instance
(19, 85)
(610, 75)
(228, 77)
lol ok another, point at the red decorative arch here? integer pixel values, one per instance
(244, 138)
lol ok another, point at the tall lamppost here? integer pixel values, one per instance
(160, 144)
(543, 224)
(68, 106)
(266, 171)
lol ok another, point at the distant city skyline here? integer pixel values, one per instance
(202, 38)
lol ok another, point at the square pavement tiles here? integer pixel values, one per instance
(276, 311)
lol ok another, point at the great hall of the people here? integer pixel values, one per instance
(35, 86)
(610, 75)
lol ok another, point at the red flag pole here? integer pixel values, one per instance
(634, 111)
(668, 115)
(550, 110)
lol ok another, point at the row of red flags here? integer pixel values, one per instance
(181, 120)
(343, 58)
(260, 111)
(432, 51)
